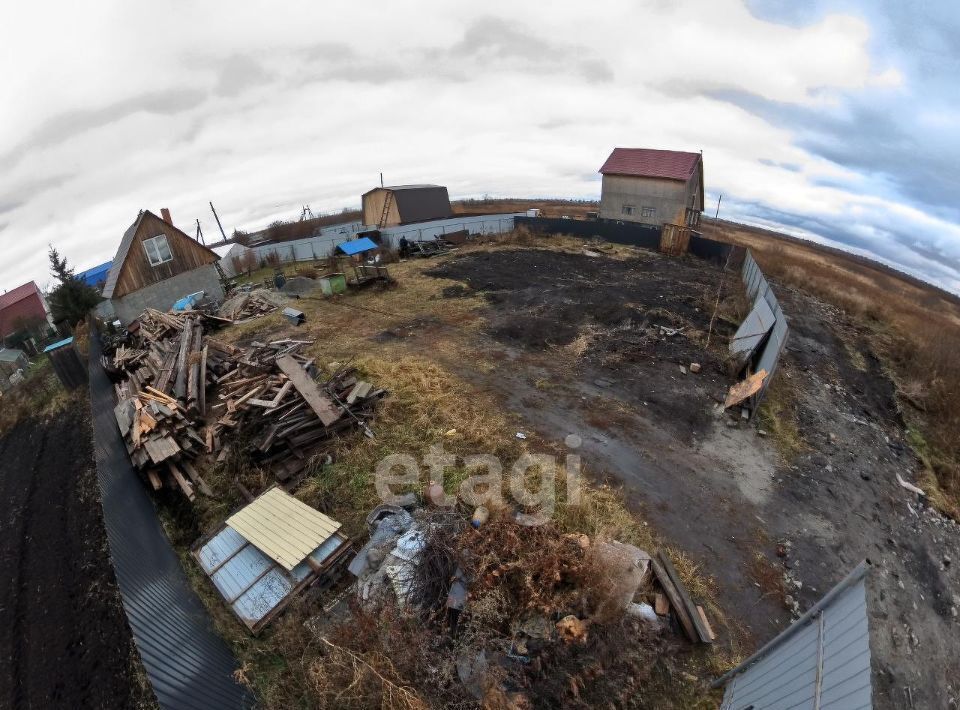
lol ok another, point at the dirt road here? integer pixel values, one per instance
(64, 640)
(721, 493)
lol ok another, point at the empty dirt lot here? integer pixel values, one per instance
(64, 640)
(774, 528)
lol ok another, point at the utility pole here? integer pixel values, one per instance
(218, 222)
(200, 234)
(381, 179)
(718, 207)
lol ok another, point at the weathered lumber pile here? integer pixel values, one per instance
(161, 440)
(245, 306)
(187, 396)
(268, 397)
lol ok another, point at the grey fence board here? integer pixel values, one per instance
(189, 666)
(785, 673)
(771, 349)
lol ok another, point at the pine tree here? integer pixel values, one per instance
(71, 299)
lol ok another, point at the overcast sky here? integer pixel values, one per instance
(838, 121)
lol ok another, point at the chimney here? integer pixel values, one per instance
(165, 213)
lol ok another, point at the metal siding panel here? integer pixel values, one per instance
(282, 527)
(240, 572)
(786, 676)
(796, 658)
(222, 546)
(264, 596)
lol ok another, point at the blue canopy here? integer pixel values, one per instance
(57, 346)
(357, 246)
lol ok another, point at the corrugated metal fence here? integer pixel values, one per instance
(320, 247)
(770, 351)
(189, 666)
(821, 662)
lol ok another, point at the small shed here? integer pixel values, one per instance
(404, 204)
(67, 363)
(11, 360)
(155, 265)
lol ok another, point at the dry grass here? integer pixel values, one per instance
(39, 395)
(778, 417)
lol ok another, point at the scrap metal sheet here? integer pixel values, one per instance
(753, 330)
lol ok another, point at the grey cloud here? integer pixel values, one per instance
(491, 39)
(879, 139)
(64, 126)
(27, 190)
(892, 244)
(791, 167)
(486, 41)
(240, 73)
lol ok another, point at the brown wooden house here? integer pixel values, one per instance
(156, 265)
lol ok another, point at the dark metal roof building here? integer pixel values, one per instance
(404, 204)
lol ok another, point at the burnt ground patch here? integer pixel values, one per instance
(616, 315)
(64, 637)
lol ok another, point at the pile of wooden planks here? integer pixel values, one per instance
(162, 441)
(245, 306)
(269, 397)
(187, 396)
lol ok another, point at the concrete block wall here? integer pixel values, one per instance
(163, 294)
(669, 199)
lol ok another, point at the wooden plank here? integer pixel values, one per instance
(673, 595)
(661, 604)
(196, 479)
(182, 366)
(202, 394)
(184, 484)
(155, 481)
(689, 609)
(161, 449)
(319, 402)
(706, 624)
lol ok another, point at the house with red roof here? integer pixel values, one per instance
(24, 309)
(654, 187)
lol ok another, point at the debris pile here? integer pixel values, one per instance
(247, 305)
(186, 395)
(544, 618)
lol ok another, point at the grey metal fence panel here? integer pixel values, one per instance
(757, 288)
(786, 676)
(189, 666)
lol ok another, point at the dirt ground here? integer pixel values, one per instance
(64, 640)
(722, 493)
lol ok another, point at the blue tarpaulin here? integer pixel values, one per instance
(187, 302)
(357, 246)
(97, 275)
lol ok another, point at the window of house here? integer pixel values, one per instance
(628, 209)
(158, 251)
(648, 212)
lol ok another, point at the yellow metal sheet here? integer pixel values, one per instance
(282, 527)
